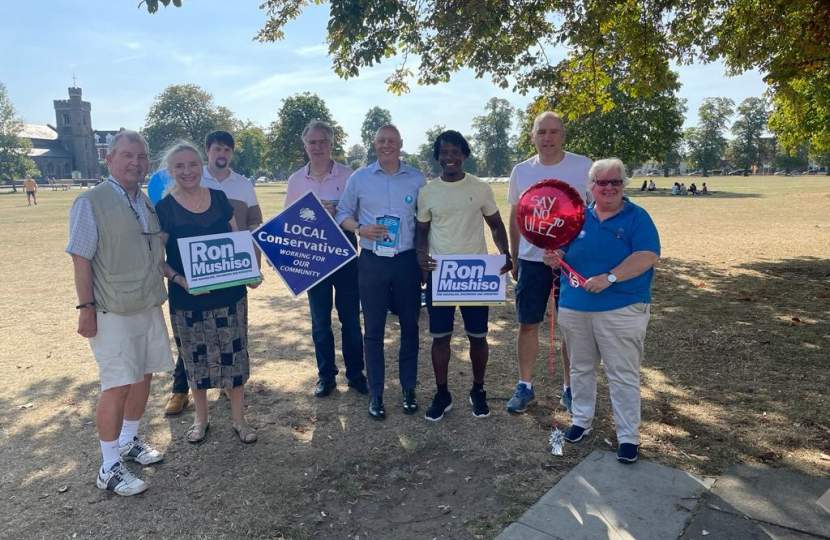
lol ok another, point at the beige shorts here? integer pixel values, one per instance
(127, 347)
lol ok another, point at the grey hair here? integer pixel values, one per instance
(318, 125)
(173, 149)
(388, 126)
(544, 115)
(599, 168)
(131, 136)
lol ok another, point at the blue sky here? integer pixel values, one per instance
(123, 57)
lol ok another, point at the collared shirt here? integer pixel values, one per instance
(330, 188)
(241, 195)
(83, 229)
(599, 248)
(371, 192)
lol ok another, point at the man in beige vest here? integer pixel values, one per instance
(118, 258)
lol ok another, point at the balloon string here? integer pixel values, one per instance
(553, 290)
(573, 276)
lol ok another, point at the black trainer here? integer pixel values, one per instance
(478, 399)
(441, 403)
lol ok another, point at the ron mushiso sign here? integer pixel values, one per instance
(212, 257)
(466, 276)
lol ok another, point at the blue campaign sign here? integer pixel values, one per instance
(304, 244)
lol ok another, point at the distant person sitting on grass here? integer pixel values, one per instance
(693, 189)
(683, 190)
(30, 187)
(644, 186)
(704, 190)
(675, 189)
(652, 186)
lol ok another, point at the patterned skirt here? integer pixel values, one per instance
(214, 345)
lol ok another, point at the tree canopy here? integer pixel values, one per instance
(249, 149)
(14, 149)
(787, 41)
(635, 130)
(286, 150)
(375, 118)
(494, 143)
(184, 111)
(706, 142)
(748, 146)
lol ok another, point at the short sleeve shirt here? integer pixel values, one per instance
(456, 212)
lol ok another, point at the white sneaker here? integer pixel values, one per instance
(120, 480)
(140, 451)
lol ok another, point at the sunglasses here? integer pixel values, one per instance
(603, 183)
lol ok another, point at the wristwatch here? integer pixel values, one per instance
(611, 278)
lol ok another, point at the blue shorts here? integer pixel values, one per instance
(442, 318)
(533, 291)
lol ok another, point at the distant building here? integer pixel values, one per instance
(71, 146)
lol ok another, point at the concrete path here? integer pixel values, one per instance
(602, 499)
(751, 502)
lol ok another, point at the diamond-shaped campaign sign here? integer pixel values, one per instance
(304, 244)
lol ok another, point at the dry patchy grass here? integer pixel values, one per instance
(736, 370)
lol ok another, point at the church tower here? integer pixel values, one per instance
(74, 123)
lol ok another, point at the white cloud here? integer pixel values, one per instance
(313, 50)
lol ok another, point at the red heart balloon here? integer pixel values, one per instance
(551, 213)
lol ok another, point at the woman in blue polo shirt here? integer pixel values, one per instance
(606, 317)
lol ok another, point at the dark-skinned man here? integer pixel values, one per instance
(452, 210)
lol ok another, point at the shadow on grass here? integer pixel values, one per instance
(736, 370)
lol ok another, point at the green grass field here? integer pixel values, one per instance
(736, 370)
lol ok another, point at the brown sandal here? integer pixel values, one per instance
(246, 433)
(196, 432)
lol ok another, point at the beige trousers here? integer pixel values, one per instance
(616, 337)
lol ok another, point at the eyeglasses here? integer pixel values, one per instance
(603, 183)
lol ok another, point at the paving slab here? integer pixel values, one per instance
(773, 496)
(710, 524)
(603, 499)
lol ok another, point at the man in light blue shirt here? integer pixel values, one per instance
(378, 204)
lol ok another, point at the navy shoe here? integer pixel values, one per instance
(522, 397)
(360, 385)
(627, 453)
(574, 434)
(441, 403)
(324, 387)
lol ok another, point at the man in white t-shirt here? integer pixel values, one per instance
(218, 174)
(534, 280)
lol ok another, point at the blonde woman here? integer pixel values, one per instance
(211, 329)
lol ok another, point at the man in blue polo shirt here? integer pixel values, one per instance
(378, 204)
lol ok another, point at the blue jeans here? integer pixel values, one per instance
(343, 284)
(377, 277)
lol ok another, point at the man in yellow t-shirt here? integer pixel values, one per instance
(30, 187)
(452, 210)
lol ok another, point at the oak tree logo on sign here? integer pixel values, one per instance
(307, 214)
(214, 257)
(466, 276)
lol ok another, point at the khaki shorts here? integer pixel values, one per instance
(127, 347)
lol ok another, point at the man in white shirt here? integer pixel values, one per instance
(218, 174)
(534, 280)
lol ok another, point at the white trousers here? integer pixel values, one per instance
(616, 337)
